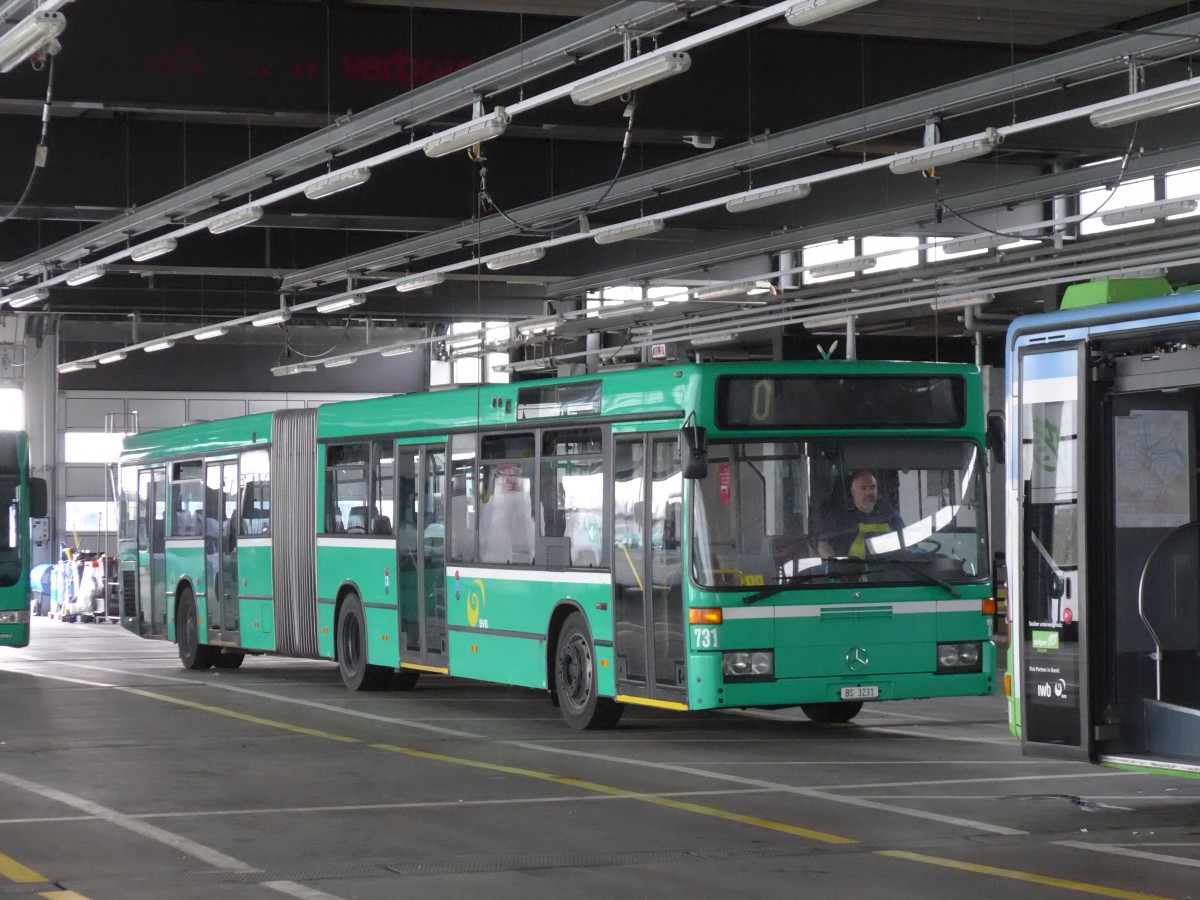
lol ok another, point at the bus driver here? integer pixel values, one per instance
(844, 529)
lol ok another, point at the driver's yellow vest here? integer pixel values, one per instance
(859, 546)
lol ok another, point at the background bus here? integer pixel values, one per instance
(20, 498)
(1103, 532)
(647, 537)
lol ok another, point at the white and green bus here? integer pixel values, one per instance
(21, 497)
(650, 536)
(1103, 520)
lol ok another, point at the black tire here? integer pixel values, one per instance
(193, 654)
(575, 679)
(229, 660)
(351, 643)
(405, 679)
(832, 713)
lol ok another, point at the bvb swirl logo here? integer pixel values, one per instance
(476, 598)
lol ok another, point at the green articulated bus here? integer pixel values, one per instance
(1103, 527)
(20, 498)
(682, 537)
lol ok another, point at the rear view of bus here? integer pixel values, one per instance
(20, 498)
(840, 538)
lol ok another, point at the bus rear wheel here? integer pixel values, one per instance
(193, 654)
(832, 713)
(357, 673)
(575, 679)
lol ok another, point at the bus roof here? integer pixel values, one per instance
(662, 390)
(1108, 316)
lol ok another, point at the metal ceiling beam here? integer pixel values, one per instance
(1052, 73)
(914, 216)
(533, 59)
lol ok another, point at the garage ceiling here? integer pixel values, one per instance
(165, 115)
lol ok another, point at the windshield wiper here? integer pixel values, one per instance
(928, 576)
(834, 568)
(790, 581)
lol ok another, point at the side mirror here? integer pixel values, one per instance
(38, 503)
(995, 435)
(693, 451)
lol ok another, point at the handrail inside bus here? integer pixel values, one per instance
(1141, 604)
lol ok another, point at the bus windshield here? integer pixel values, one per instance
(821, 512)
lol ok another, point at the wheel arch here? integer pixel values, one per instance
(345, 589)
(184, 583)
(562, 609)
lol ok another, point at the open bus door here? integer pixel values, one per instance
(1050, 640)
(1106, 627)
(1147, 699)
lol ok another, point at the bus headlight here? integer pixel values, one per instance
(963, 657)
(746, 665)
(15, 617)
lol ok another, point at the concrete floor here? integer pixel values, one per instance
(124, 777)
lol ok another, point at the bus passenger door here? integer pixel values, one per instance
(152, 550)
(421, 554)
(220, 551)
(1050, 627)
(648, 614)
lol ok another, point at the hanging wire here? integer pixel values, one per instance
(41, 151)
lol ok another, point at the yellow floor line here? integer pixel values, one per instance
(234, 714)
(62, 895)
(781, 827)
(14, 871)
(1081, 886)
(682, 805)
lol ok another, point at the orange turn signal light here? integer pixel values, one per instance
(989, 606)
(1008, 684)
(704, 615)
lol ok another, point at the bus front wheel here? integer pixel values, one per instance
(831, 713)
(193, 654)
(357, 673)
(575, 679)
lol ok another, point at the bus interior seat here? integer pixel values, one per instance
(357, 519)
(381, 525)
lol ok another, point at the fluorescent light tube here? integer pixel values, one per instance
(149, 251)
(1157, 101)
(626, 232)
(210, 333)
(541, 326)
(337, 181)
(416, 282)
(977, 242)
(77, 366)
(960, 303)
(86, 274)
(713, 340)
(339, 303)
(29, 36)
(467, 135)
(1148, 211)
(720, 291)
(815, 10)
(827, 321)
(843, 266)
(28, 298)
(629, 76)
(767, 197)
(402, 350)
(516, 258)
(616, 310)
(344, 361)
(235, 219)
(294, 369)
(943, 154)
(164, 344)
(274, 317)
(113, 358)
(527, 365)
